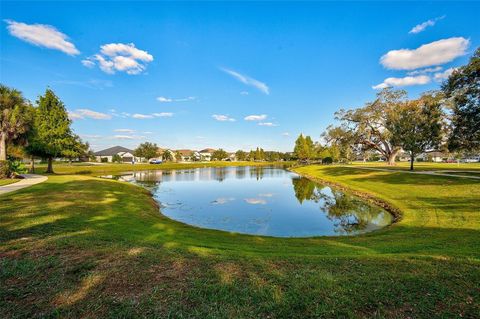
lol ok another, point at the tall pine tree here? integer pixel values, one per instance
(52, 127)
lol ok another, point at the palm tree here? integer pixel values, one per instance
(14, 120)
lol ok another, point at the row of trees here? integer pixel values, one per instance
(444, 119)
(41, 130)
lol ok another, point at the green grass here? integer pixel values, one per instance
(103, 168)
(423, 166)
(80, 246)
(8, 181)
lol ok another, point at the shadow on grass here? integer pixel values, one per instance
(92, 247)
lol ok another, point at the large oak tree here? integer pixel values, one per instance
(463, 90)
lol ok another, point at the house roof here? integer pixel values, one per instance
(185, 152)
(112, 151)
(207, 150)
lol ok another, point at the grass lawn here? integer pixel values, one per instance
(423, 166)
(79, 246)
(8, 181)
(101, 168)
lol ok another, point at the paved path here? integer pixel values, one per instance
(435, 173)
(29, 180)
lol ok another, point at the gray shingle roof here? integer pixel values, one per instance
(112, 151)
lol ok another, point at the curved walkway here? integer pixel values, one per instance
(28, 180)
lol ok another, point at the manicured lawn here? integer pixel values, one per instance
(101, 168)
(8, 181)
(423, 166)
(79, 246)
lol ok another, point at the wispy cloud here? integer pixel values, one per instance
(434, 53)
(142, 116)
(163, 114)
(255, 201)
(267, 124)
(151, 116)
(425, 71)
(285, 134)
(422, 26)
(86, 113)
(124, 130)
(42, 35)
(244, 93)
(406, 81)
(253, 117)
(120, 57)
(441, 76)
(245, 79)
(128, 137)
(163, 99)
(223, 118)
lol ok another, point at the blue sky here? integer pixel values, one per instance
(230, 75)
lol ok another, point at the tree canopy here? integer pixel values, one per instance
(146, 150)
(367, 125)
(463, 90)
(416, 126)
(219, 155)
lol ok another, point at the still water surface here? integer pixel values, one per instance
(258, 200)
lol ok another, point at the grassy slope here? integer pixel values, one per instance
(424, 166)
(8, 181)
(81, 246)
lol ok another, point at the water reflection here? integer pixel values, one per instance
(258, 200)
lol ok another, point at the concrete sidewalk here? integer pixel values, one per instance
(29, 180)
(434, 173)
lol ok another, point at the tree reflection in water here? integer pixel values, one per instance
(348, 213)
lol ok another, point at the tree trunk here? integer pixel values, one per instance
(50, 166)
(412, 158)
(392, 156)
(32, 166)
(3, 147)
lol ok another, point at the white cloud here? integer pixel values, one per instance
(245, 79)
(123, 137)
(267, 124)
(42, 35)
(244, 93)
(142, 116)
(256, 201)
(260, 117)
(406, 81)
(434, 53)
(88, 63)
(119, 57)
(425, 71)
(223, 118)
(285, 134)
(163, 99)
(128, 137)
(86, 113)
(223, 200)
(163, 114)
(441, 76)
(422, 26)
(124, 130)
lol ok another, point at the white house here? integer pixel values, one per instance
(206, 154)
(125, 154)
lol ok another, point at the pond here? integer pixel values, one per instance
(268, 201)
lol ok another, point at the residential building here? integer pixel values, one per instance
(126, 155)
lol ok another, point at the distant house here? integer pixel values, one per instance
(125, 154)
(206, 154)
(188, 155)
(433, 156)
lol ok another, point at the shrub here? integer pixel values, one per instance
(4, 169)
(327, 160)
(116, 158)
(17, 167)
(104, 160)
